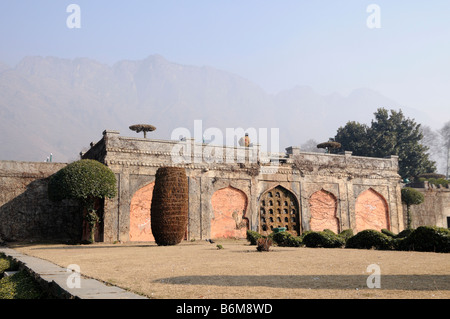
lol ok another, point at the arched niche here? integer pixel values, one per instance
(140, 221)
(229, 207)
(371, 211)
(323, 210)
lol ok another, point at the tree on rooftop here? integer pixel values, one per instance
(142, 128)
(328, 146)
(84, 180)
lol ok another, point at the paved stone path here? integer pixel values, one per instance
(65, 283)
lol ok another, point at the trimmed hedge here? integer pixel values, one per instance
(346, 234)
(404, 233)
(20, 285)
(82, 180)
(427, 238)
(424, 238)
(388, 233)
(325, 239)
(285, 239)
(368, 239)
(253, 236)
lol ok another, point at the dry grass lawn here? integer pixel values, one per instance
(196, 270)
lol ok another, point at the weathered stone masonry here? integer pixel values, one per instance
(230, 188)
(26, 213)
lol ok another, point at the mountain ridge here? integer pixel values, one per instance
(54, 105)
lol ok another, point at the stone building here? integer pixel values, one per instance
(435, 210)
(232, 189)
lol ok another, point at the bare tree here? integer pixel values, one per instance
(311, 146)
(432, 140)
(444, 132)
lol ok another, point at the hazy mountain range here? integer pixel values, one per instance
(52, 105)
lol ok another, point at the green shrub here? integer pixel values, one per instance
(368, 239)
(286, 239)
(325, 239)
(20, 286)
(85, 181)
(82, 180)
(405, 233)
(388, 233)
(346, 234)
(253, 236)
(7, 264)
(427, 238)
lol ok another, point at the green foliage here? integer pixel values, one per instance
(368, 239)
(346, 234)
(427, 238)
(435, 181)
(20, 286)
(286, 239)
(325, 239)
(82, 180)
(17, 286)
(405, 233)
(388, 233)
(411, 196)
(389, 134)
(253, 236)
(426, 176)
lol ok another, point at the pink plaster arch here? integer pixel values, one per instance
(140, 222)
(371, 211)
(229, 207)
(323, 209)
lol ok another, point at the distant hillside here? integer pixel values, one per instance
(51, 105)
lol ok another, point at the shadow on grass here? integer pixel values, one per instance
(389, 282)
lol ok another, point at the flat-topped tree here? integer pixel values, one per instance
(329, 145)
(142, 128)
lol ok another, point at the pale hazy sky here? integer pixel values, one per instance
(276, 44)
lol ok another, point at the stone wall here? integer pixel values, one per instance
(25, 211)
(434, 211)
(213, 171)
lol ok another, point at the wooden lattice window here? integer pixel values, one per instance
(282, 212)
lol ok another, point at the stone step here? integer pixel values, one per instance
(9, 273)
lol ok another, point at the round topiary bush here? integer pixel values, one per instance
(170, 205)
(253, 236)
(286, 239)
(325, 239)
(388, 233)
(346, 234)
(427, 238)
(405, 233)
(85, 180)
(368, 239)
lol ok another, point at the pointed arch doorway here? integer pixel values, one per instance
(278, 207)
